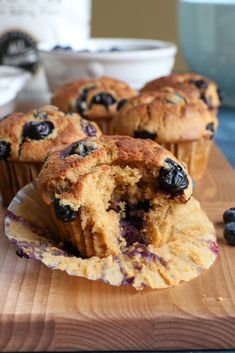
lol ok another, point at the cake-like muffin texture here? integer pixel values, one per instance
(109, 193)
(94, 99)
(182, 125)
(192, 85)
(27, 138)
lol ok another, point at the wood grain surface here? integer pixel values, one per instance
(43, 310)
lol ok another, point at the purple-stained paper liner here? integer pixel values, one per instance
(192, 249)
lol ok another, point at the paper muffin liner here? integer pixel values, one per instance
(195, 154)
(14, 175)
(193, 250)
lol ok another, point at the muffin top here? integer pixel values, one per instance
(192, 85)
(30, 136)
(65, 171)
(97, 98)
(165, 116)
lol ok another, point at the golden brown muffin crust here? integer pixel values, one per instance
(191, 84)
(81, 96)
(62, 169)
(32, 135)
(165, 116)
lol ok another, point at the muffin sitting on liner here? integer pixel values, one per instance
(26, 139)
(121, 212)
(182, 125)
(192, 85)
(94, 99)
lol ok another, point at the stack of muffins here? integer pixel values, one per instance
(108, 194)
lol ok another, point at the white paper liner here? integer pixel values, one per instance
(192, 250)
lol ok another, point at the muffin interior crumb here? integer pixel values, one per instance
(118, 207)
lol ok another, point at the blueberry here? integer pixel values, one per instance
(22, 254)
(143, 205)
(40, 115)
(83, 51)
(121, 103)
(144, 134)
(115, 49)
(211, 128)
(229, 215)
(61, 47)
(82, 148)
(229, 233)
(103, 98)
(64, 212)
(173, 179)
(88, 128)
(81, 104)
(5, 149)
(37, 130)
(220, 94)
(201, 84)
(206, 100)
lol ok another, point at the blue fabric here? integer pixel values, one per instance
(225, 137)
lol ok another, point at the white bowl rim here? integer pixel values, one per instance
(163, 48)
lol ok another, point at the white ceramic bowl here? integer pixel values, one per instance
(138, 61)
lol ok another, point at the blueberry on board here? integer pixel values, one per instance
(121, 103)
(210, 127)
(229, 215)
(144, 134)
(64, 212)
(220, 94)
(103, 98)
(229, 233)
(37, 130)
(83, 148)
(201, 84)
(173, 179)
(5, 149)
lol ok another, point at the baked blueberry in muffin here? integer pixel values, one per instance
(97, 99)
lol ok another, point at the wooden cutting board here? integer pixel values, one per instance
(42, 309)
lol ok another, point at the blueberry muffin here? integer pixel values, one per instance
(106, 194)
(122, 213)
(193, 85)
(182, 125)
(97, 99)
(26, 139)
